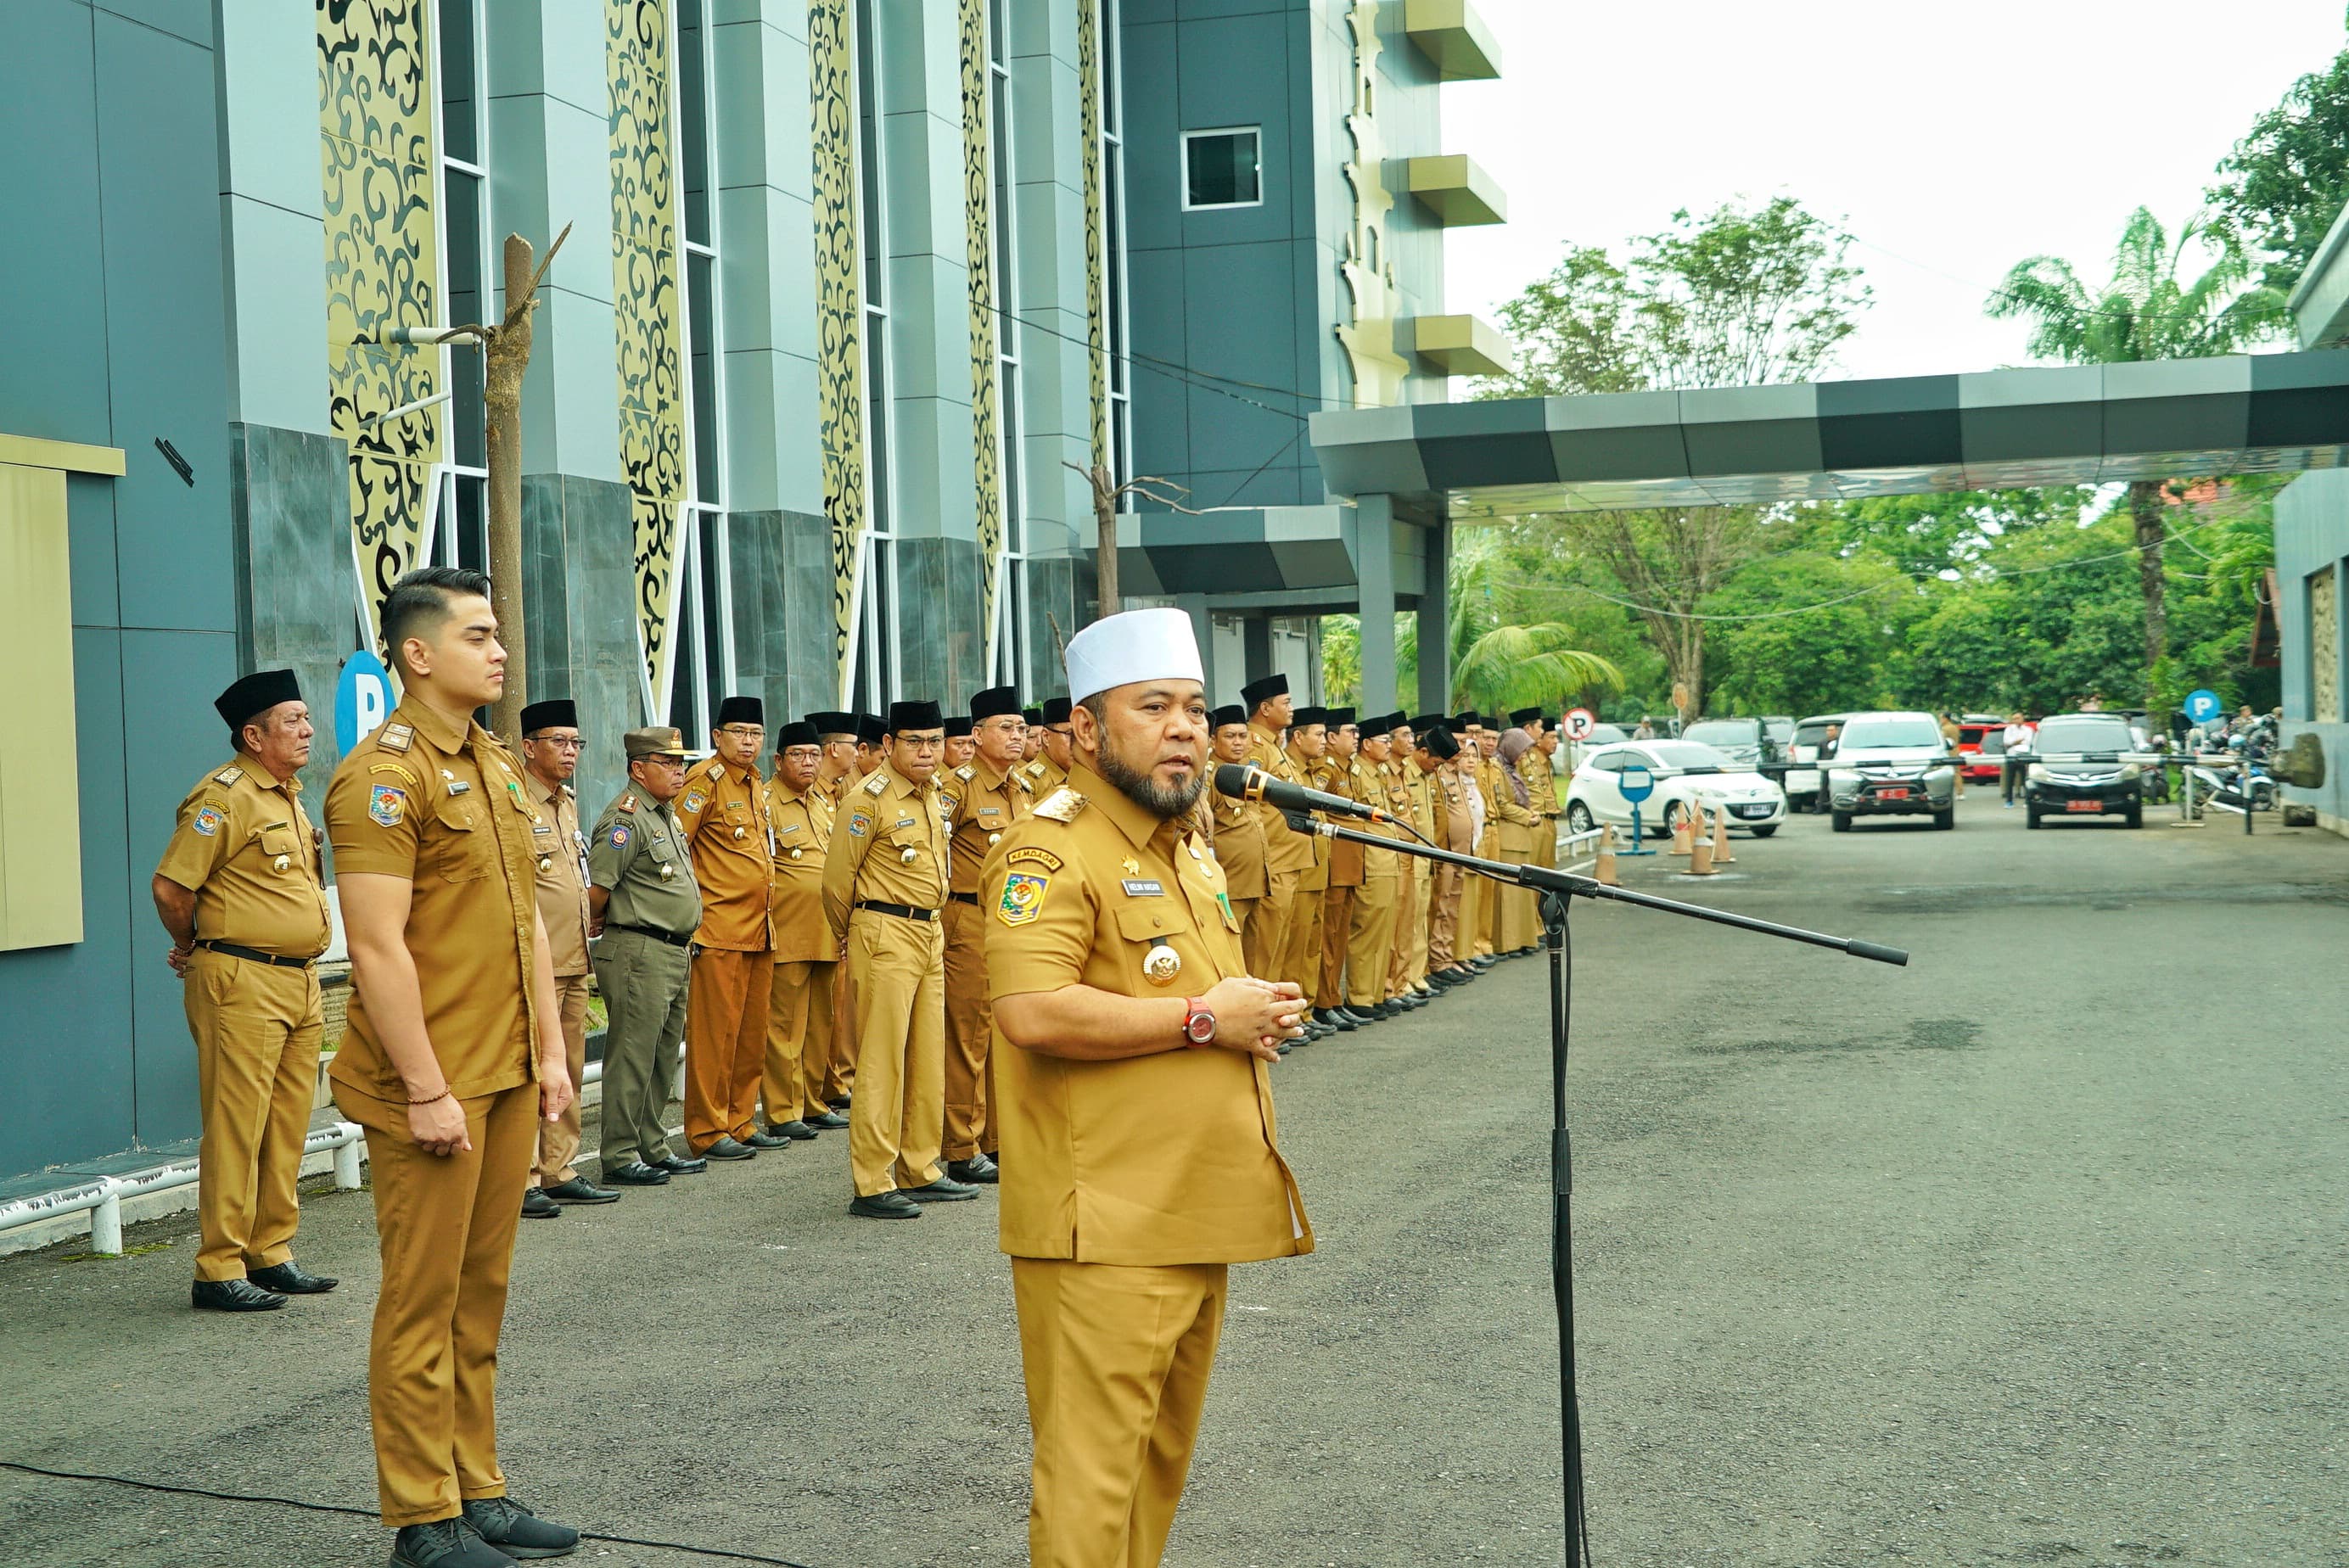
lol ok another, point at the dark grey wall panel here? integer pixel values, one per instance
(296, 607)
(52, 300)
(579, 542)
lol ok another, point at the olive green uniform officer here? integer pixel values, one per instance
(646, 906)
(884, 881)
(1139, 1140)
(241, 892)
(453, 1056)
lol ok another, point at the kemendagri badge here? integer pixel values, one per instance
(1023, 898)
(384, 804)
(208, 820)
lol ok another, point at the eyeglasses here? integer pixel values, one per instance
(745, 731)
(559, 742)
(803, 754)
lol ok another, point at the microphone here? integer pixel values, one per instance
(1241, 782)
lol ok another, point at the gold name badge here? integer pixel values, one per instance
(1161, 965)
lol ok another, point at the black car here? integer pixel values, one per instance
(2078, 768)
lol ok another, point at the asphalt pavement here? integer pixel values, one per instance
(2029, 1252)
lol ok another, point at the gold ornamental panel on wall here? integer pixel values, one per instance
(839, 393)
(979, 217)
(383, 270)
(1089, 96)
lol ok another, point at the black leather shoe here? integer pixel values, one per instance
(537, 1205)
(1329, 1019)
(945, 1189)
(516, 1531)
(794, 1127)
(682, 1164)
(636, 1173)
(886, 1206)
(444, 1544)
(978, 1168)
(232, 1295)
(769, 1140)
(1286, 1047)
(838, 1103)
(727, 1149)
(290, 1278)
(579, 1189)
(1360, 1016)
(828, 1122)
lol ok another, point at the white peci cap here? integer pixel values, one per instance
(1136, 645)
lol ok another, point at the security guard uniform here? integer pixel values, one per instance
(440, 806)
(723, 813)
(561, 890)
(637, 856)
(1128, 1186)
(982, 804)
(800, 1013)
(249, 853)
(883, 881)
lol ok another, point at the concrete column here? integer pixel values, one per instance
(1374, 573)
(1202, 628)
(1434, 611)
(1256, 635)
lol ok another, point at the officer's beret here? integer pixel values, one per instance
(658, 741)
(1230, 712)
(1056, 709)
(1255, 694)
(255, 694)
(1032, 716)
(1524, 715)
(871, 727)
(799, 734)
(957, 724)
(904, 717)
(1438, 743)
(832, 722)
(1337, 717)
(554, 712)
(994, 702)
(1303, 716)
(740, 710)
(1427, 721)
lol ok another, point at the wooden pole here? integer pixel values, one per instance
(507, 353)
(1105, 554)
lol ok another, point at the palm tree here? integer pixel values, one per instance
(2145, 312)
(1497, 662)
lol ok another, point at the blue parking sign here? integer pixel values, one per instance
(2203, 706)
(362, 700)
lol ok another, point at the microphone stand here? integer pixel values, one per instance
(1557, 889)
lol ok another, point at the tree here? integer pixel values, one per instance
(2145, 311)
(1501, 654)
(2282, 186)
(1738, 297)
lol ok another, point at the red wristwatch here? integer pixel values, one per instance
(1198, 1023)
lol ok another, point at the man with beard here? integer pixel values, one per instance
(1138, 1116)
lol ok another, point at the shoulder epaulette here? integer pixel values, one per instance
(228, 775)
(568, 792)
(965, 773)
(1063, 805)
(395, 738)
(877, 783)
(1024, 783)
(626, 803)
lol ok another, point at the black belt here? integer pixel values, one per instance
(969, 897)
(684, 941)
(255, 955)
(902, 911)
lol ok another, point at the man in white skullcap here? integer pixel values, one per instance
(1137, 1122)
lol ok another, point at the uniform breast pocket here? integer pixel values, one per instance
(280, 848)
(464, 850)
(1161, 948)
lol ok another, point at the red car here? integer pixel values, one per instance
(1982, 741)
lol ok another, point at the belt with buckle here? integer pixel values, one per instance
(902, 911)
(255, 955)
(968, 898)
(684, 941)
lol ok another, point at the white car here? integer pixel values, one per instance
(1685, 770)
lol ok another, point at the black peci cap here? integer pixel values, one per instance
(255, 694)
(1427, 721)
(801, 733)
(1385, 724)
(870, 728)
(957, 724)
(1255, 694)
(1524, 715)
(1056, 709)
(994, 702)
(554, 712)
(1034, 715)
(1337, 717)
(1304, 716)
(1230, 712)
(1463, 722)
(1438, 743)
(910, 716)
(832, 722)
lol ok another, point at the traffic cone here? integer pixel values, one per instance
(1607, 877)
(1700, 856)
(1721, 855)
(1681, 834)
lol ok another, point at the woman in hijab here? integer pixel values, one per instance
(1520, 911)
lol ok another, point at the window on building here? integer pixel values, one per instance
(873, 672)
(461, 527)
(1012, 662)
(1220, 169)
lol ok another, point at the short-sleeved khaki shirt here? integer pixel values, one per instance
(637, 855)
(802, 824)
(981, 806)
(723, 811)
(249, 853)
(1240, 844)
(1285, 850)
(562, 862)
(889, 845)
(1157, 1159)
(444, 809)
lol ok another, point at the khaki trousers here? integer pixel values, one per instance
(1444, 917)
(1370, 940)
(1336, 929)
(1409, 946)
(971, 1027)
(256, 1032)
(1116, 1361)
(644, 984)
(725, 1042)
(840, 1073)
(446, 1227)
(1300, 955)
(558, 1141)
(1265, 938)
(799, 1040)
(897, 974)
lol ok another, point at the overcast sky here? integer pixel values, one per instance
(1951, 140)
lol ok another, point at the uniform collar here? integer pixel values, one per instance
(431, 723)
(1138, 825)
(545, 794)
(263, 776)
(986, 776)
(1269, 736)
(639, 792)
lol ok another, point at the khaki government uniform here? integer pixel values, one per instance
(1345, 872)
(1128, 1186)
(1288, 854)
(441, 806)
(1300, 955)
(249, 853)
(1417, 902)
(1541, 784)
(800, 1011)
(643, 960)
(723, 811)
(1514, 921)
(893, 849)
(982, 804)
(1240, 848)
(1370, 931)
(562, 888)
(1449, 800)
(840, 1073)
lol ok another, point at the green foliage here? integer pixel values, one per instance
(2282, 186)
(2145, 310)
(1341, 660)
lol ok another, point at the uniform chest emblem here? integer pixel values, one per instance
(693, 803)
(859, 825)
(208, 820)
(1161, 965)
(1023, 898)
(384, 804)
(620, 836)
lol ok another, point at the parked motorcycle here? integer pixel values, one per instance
(2224, 786)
